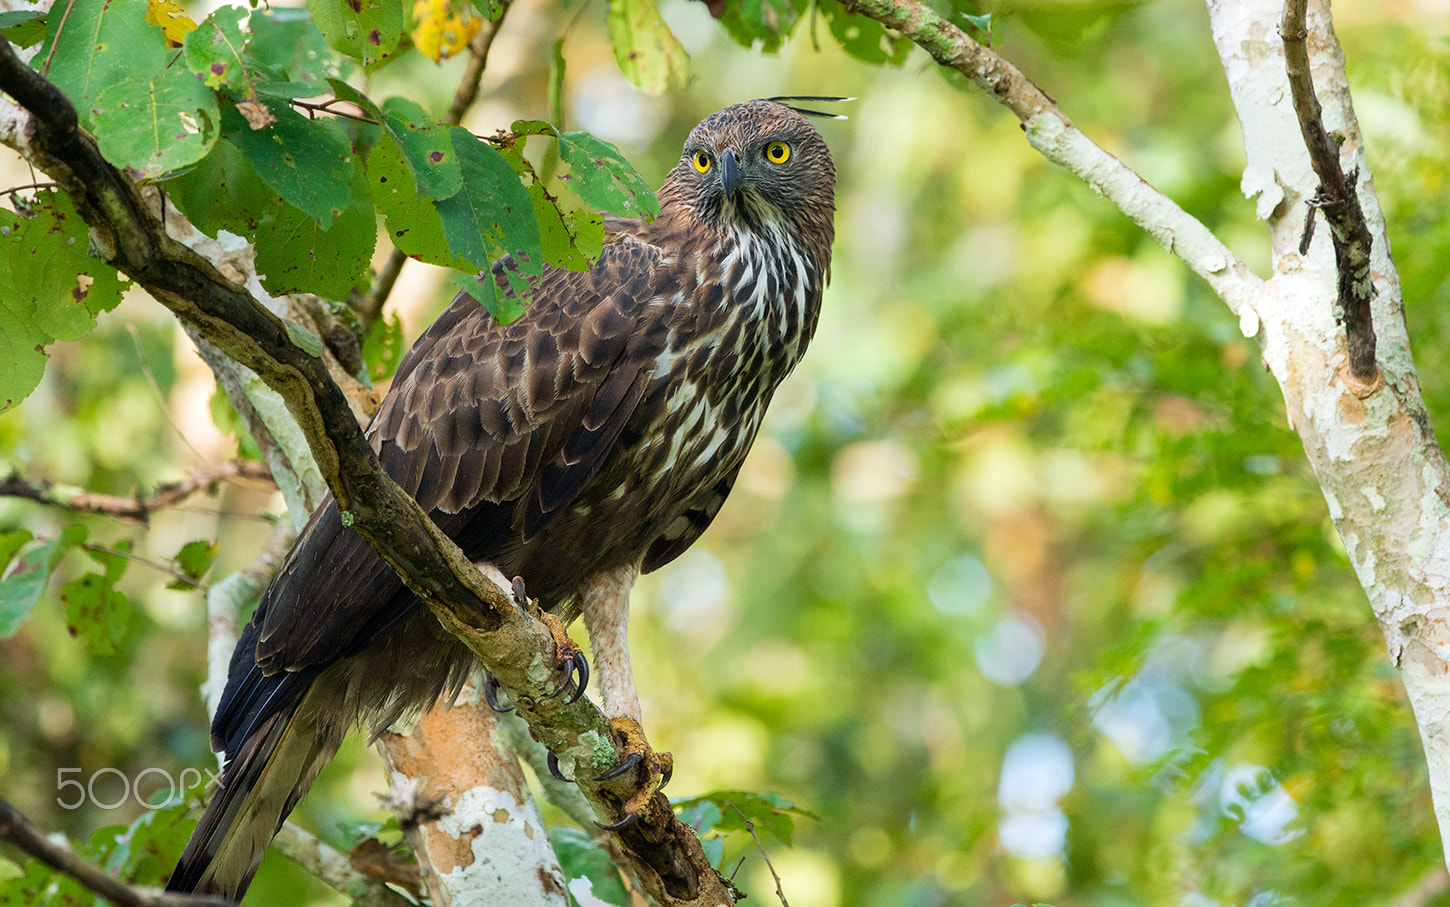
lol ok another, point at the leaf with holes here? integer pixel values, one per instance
(94, 609)
(99, 44)
(412, 222)
(366, 30)
(192, 562)
(296, 254)
(492, 216)
(307, 162)
(159, 125)
(601, 176)
(647, 52)
(213, 49)
(54, 289)
(222, 192)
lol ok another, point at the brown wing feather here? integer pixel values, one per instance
(490, 427)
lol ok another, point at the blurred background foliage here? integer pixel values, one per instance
(1026, 592)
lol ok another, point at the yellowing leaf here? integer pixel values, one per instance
(443, 30)
(173, 21)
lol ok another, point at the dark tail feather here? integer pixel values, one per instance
(264, 779)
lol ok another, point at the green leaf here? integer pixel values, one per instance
(192, 561)
(214, 48)
(601, 176)
(222, 192)
(770, 812)
(307, 162)
(485, 292)
(412, 223)
(288, 41)
(295, 254)
(23, 27)
(97, 44)
(54, 289)
(570, 240)
(426, 145)
(492, 215)
(159, 125)
(366, 30)
(581, 858)
(26, 578)
(384, 347)
(11, 542)
(94, 610)
(647, 52)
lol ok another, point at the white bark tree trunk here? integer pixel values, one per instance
(1374, 453)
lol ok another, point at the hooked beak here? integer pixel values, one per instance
(731, 177)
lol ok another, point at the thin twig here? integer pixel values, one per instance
(1057, 138)
(145, 561)
(136, 509)
(750, 827)
(31, 839)
(326, 107)
(1338, 198)
(156, 385)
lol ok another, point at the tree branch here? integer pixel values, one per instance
(334, 868)
(136, 509)
(1338, 198)
(31, 839)
(1057, 138)
(665, 853)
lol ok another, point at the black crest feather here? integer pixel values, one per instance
(787, 100)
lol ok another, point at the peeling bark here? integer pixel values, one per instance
(1372, 448)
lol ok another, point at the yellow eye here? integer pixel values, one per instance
(701, 161)
(777, 152)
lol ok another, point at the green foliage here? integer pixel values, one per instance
(192, 562)
(54, 290)
(1021, 428)
(27, 574)
(157, 125)
(368, 30)
(646, 50)
(581, 858)
(307, 162)
(738, 810)
(94, 609)
(96, 45)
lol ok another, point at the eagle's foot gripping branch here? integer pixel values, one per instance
(651, 770)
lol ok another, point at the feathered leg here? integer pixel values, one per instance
(606, 617)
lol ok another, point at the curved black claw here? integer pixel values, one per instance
(627, 822)
(629, 762)
(667, 774)
(520, 598)
(490, 694)
(554, 769)
(577, 663)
